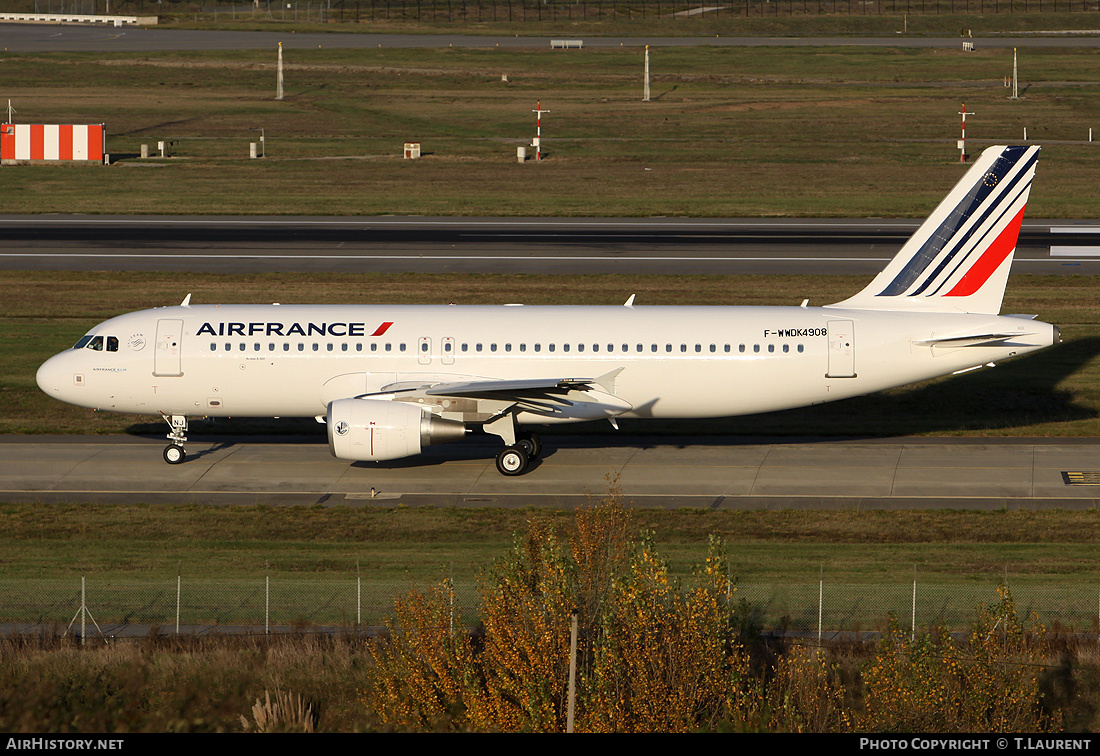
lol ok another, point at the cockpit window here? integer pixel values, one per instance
(82, 343)
(112, 343)
(96, 343)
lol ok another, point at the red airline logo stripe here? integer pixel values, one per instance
(990, 260)
(382, 329)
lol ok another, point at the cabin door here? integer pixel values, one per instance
(166, 356)
(842, 349)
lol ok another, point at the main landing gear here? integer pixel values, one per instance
(514, 459)
(174, 452)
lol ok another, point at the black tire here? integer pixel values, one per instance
(530, 443)
(174, 454)
(512, 460)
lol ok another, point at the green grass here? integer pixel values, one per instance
(131, 556)
(729, 132)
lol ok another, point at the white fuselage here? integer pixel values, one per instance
(676, 362)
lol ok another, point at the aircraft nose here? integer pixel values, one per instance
(49, 376)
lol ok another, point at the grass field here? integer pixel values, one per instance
(729, 131)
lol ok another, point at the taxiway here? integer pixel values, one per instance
(715, 473)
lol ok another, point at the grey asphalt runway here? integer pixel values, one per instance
(498, 245)
(71, 38)
(909, 473)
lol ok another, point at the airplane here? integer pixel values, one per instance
(389, 380)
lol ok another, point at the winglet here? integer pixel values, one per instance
(186, 301)
(629, 302)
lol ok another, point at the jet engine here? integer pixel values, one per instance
(374, 430)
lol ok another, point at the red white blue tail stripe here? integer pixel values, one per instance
(958, 259)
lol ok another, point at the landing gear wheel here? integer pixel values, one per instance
(512, 460)
(174, 454)
(530, 443)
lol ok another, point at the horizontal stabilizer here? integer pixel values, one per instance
(985, 339)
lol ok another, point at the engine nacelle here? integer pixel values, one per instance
(374, 430)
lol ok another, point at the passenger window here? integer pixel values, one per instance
(315, 347)
(359, 347)
(741, 348)
(800, 349)
(328, 347)
(538, 347)
(256, 347)
(213, 347)
(286, 347)
(755, 347)
(771, 348)
(301, 347)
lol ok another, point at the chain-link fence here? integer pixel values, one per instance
(282, 603)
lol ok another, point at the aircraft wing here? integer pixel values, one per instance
(511, 389)
(545, 396)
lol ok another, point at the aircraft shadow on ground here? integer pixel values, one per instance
(1016, 394)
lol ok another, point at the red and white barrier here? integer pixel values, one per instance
(36, 142)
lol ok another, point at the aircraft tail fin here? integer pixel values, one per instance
(959, 258)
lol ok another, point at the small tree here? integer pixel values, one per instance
(932, 684)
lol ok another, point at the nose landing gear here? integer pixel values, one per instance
(174, 453)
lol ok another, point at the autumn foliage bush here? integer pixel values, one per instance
(655, 655)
